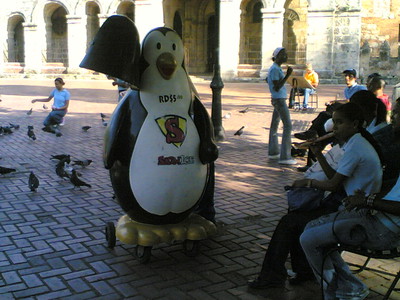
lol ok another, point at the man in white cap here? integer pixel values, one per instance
(276, 81)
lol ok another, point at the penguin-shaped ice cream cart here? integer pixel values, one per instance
(158, 144)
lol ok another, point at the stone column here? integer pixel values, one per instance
(32, 47)
(3, 43)
(346, 41)
(272, 36)
(320, 38)
(77, 41)
(148, 15)
(229, 38)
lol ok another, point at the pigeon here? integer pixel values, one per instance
(60, 157)
(82, 163)
(103, 116)
(4, 170)
(244, 110)
(45, 106)
(29, 112)
(240, 131)
(33, 182)
(15, 126)
(86, 128)
(104, 122)
(60, 169)
(6, 130)
(227, 116)
(76, 181)
(31, 134)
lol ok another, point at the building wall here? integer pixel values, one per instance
(328, 33)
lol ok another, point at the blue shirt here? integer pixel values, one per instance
(275, 73)
(349, 91)
(60, 97)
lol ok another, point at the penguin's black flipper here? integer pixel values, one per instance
(208, 151)
(115, 50)
(112, 132)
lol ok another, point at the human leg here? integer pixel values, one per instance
(284, 240)
(273, 145)
(307, 92)
(320, 235)
(283, 111)
(206, 207)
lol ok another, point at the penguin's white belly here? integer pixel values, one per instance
(166, 177)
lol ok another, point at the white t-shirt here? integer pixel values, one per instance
(361, 164)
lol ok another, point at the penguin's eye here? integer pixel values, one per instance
(173, 47)
(158, 46)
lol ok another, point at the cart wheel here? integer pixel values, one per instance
(110, 235)
(191, 248)
(143, 253)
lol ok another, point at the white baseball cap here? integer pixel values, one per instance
(276, 51)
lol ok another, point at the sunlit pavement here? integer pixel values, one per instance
(53, 242)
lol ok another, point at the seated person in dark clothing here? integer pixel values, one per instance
(358, 169)
(388, 138)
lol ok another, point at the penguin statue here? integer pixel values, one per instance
(159, 144)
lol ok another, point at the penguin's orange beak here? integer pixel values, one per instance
(166, 65)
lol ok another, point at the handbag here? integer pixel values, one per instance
(304, 198)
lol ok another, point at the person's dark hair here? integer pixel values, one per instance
(60, 80)
(375, 83)
(370, 104)
(373, 75)
(353, 112)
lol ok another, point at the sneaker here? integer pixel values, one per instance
(274, 157)
(288, 162)
(306, 135)
(62, 122)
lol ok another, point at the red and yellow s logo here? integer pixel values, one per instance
(174, 129)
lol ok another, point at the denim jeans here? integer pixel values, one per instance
(350, 228)
(281, 112)
(307, 92)
(54, 117)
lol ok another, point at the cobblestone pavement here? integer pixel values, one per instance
(53, 242)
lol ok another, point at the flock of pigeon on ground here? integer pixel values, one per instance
(64, 168)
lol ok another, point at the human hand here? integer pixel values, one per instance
(114, 83)
(53, 107)
(289, 70)
(316, 148)
(355, 201)
(300, 183)
(33, 101)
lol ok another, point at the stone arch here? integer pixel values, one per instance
(15, 39)
(295, 30)
(55, 16)
(127, 8)
(92, 11)
(207, 23)
(250, 32)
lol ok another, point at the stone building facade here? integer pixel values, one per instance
(52, 36)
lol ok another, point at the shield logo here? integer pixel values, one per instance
(173, 128)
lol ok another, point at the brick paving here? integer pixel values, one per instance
(53, 243)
